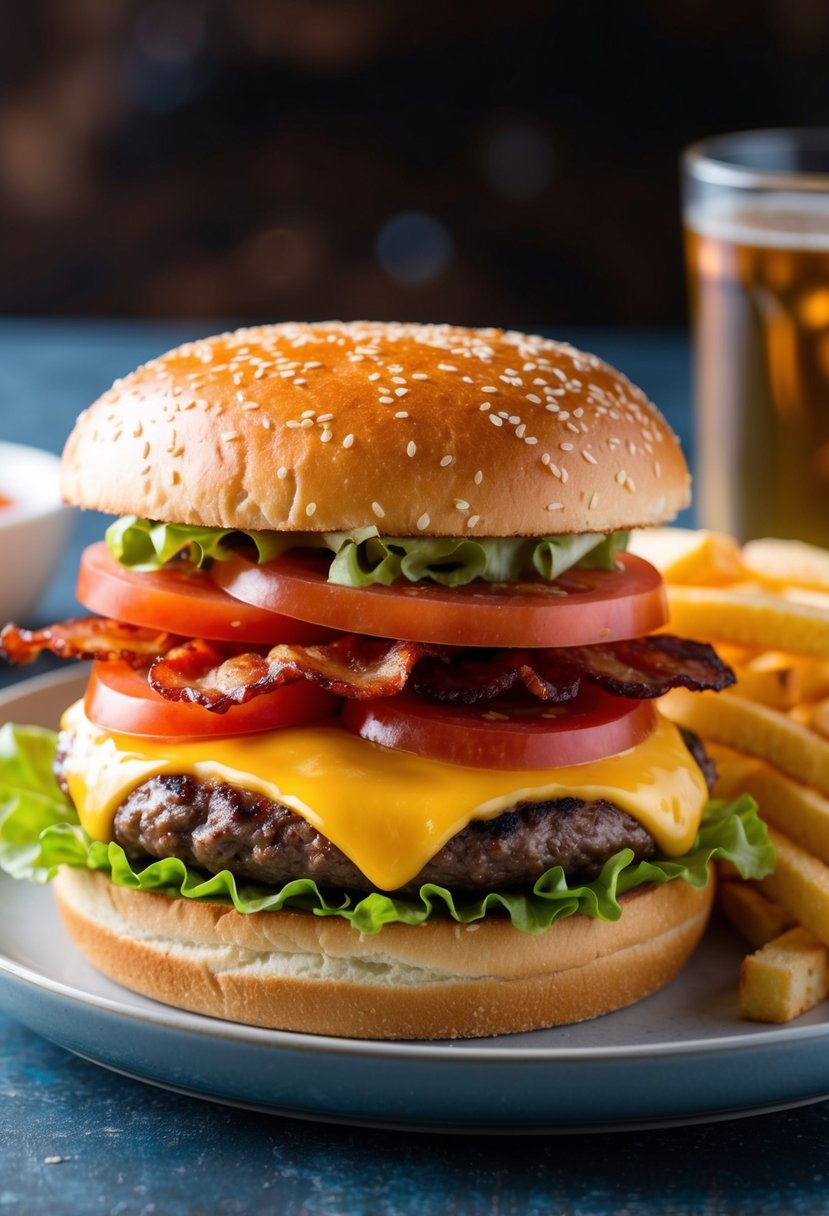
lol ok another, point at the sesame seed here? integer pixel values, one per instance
(489, 388)
(534, 398)
(266, 423)
(313, 363)
(512, 419)
(589, 457)
(292, 424)
(566, 447)
(519, 430)
(282, 472)
(621, 477)
(419, 376)
(378, 510)
(386, 400)
(594, 500)
(555, 506)
(529, 439)
(374, 376)
(411, 448)
(461, 504)
(473, 521)
(240, 396)
(657, 468)
(400, 392)
(445, 461)
(483, 406)
(308, 413)
(348, 441)
(630, 484)
(326, 435)
(299, 381)
(401, 414)
(311, 508)
(423, 522)
(545, 458)
(324, 417)
(398, 379)
(250, 405)
(447, 367)
(306, 424)
(495, 420)
(229, 436)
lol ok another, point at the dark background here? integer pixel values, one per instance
(474, 162)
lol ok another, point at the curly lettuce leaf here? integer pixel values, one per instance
(39, 832)
(363, 557)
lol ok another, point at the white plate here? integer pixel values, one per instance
(682, 1055)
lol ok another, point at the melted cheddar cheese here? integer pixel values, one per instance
(388, 811)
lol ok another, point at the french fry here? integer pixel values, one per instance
(819, 719)
(756, 918)
(761, 620)
(785, 978)
(787, 562)
(754, 729)
(800, 882)
(687, 556)
(771, 678)
(800, 812)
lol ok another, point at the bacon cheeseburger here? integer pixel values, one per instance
(370, 745)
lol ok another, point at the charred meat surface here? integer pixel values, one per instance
(214, 826)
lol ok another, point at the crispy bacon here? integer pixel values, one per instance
(362, 668)
(352, 666)
(91, 637)
(640, 668)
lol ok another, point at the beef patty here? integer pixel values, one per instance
(215, 826)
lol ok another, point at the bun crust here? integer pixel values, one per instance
(416, 429)
(294, 971)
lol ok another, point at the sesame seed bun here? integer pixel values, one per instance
(417, 429)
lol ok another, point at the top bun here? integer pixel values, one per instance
(428, 430)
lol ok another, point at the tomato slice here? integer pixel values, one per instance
(183, 601)
(119, 698)
(582, 607)
(511, 732)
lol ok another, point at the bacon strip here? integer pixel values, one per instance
(639, 668)
(352, 666)
(90, 637)
(363, 668)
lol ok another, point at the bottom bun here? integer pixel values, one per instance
(295, 971)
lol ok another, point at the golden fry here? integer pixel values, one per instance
(754, 729)
(788, 562)
(756, 918)
(800, 812)
(686, 556)
(744, 618)
(784, 979)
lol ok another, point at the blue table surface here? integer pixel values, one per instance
(75, 1138)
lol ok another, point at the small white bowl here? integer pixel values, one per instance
(33, 528)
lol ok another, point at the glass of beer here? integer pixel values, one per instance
(756, 219)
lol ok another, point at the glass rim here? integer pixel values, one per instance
(701, 162)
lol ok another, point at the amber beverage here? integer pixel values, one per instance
(758, 273)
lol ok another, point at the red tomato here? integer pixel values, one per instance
(581, 607)
(511, 732)
(120, 699)
(181, 600)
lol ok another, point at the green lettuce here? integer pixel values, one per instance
(40, 832)
(363, 557)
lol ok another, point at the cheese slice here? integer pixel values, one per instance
(388, 811)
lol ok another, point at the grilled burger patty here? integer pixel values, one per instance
(214, 826)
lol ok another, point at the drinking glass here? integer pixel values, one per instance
(756, 221)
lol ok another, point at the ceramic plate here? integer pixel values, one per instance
(682, 1055)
